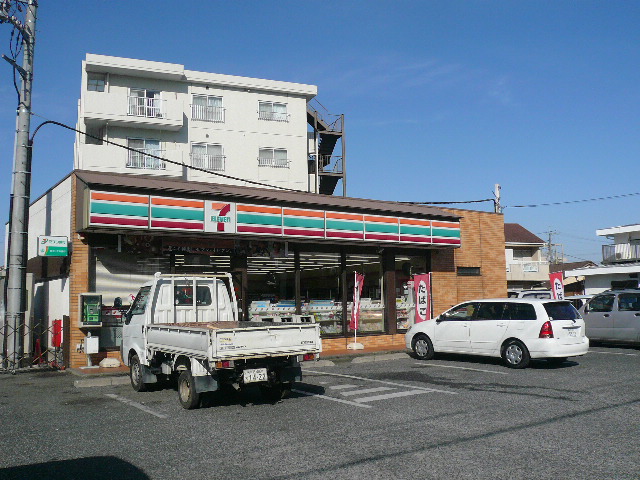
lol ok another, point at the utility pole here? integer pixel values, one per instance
(15, 289)
(551, 248)
(496, 202)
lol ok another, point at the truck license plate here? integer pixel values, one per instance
(255, 375)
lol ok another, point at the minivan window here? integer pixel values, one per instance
(490, 311)
(519, 311)
(601, 303)
(629, 302)
(561, 311)
(461, 312)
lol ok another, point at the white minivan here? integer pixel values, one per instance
(516, 329)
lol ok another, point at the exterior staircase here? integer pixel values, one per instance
(330, 167)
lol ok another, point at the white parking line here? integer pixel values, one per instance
(137, 405)
(362, 391)
(340, 387)
(386, 396)
(614, 353)
(394, 384)
(326, 397)
(462, 368)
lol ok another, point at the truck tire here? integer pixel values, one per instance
(187, 394)
(135, 374)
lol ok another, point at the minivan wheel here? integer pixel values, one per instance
(515, 354)
(422, 347)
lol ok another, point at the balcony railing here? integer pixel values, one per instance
(526, 266)
(146, 107)
(141, 159)
(328, 163)
(274, 162)
(273, 116)
(207, 114)
(620, 252)
(214, 163)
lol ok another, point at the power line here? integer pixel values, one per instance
(611, 197)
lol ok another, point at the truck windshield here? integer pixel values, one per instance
(140, 303)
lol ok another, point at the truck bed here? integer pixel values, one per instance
(215, 341)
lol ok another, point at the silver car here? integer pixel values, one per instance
(613, 316)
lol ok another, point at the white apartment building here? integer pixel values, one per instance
(526, 265)
(232, 130)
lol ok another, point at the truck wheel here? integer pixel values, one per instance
(274, 393)
(135, 373)
(187, 394)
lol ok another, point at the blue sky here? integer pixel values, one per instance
(442, 99)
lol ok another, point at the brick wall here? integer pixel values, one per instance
(482, 246)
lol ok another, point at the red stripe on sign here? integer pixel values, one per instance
(404, 238)
(245, 229)
(381, 236)
(306, 233)
(449, 241)
(132, 222)
(359, 236)
(180, 225)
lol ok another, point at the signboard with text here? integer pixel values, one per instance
(53, 246)
(422, 286)
(557, 286)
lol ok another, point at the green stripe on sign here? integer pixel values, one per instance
(251, 219)
(342, 225)
(441, 232)
(303, 222)
(404, 229)
(381, 228)
(177, 213)
(118, 209)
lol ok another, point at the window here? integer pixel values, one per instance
(601, 303)
(145, 103)
(629, 302)
(94, 135)
(207, 108)
(273, 157)
(96, 82)
(207, 156)
(140, 303)
(561, 311)
(183, 295)
(468, 271)
(462, 312)
(490, 311)
(520, 311)
(273, 111)
(141, 158)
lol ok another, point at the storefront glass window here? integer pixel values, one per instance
(321, 290)
(406, 268)
(371, 304)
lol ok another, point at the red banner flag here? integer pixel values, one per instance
(557, 286)
(355, 311)
(422, 286)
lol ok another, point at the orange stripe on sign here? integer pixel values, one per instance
(303, 213)
(256, 209)
(344, 216)
(446, 224)
(367, 218)
(113, 197)
(217, 205)
(172, 202)
(411, 221)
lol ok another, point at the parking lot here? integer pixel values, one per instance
(397, 417)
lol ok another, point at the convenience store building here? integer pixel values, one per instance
(289, 253)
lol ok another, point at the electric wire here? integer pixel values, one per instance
(567, 202)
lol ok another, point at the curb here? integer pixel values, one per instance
(101, 381)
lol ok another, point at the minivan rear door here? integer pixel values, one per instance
(488, 327)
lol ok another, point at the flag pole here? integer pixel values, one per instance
(355, 317)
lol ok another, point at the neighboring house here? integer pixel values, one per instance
(526, 265)
(620, 261)
(233, 130)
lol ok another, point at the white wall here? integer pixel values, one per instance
(50, 215)
(599, 283)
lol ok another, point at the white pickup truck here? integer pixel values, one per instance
(187, 327)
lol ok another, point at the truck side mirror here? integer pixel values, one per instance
(127, 317)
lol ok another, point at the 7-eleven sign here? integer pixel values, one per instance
(220, 217)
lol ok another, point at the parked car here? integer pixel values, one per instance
(516, 329)
(578, 300)
(613, 316)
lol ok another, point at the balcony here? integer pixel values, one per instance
(527, 270)
(212, 163)
(620, 252)
(142, 160)
(273, 116)
(273, 162)
(207, 114)
(118, 108)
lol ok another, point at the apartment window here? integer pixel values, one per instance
(207, 108)
(273, 157)
(94, 135)
(468, 271)
(276, 112)
(145, 103)
(96, 82)
(207, 156)
(142, 157)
